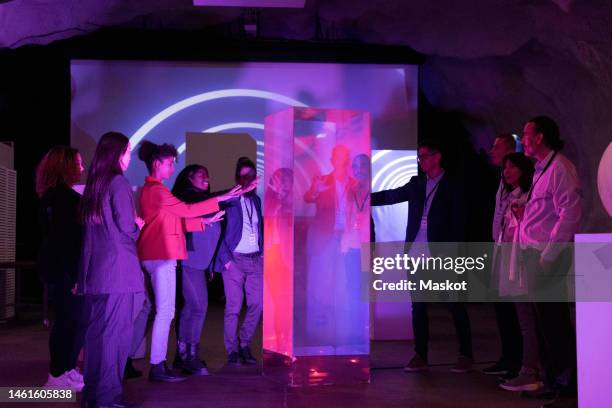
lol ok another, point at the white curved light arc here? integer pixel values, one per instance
(259, 126)
(379, 154)
(228, 126)
(405, 178)
(391, 176)
(205, 97)
(399, 182)
(389, 165)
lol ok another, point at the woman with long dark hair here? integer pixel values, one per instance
(58, 261)
(192, 186)
(110, 276)
(162, 243)
(517, 174)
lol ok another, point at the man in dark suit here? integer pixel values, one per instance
(436, 215)
(240, 257)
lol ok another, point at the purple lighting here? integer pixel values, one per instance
(251, 3)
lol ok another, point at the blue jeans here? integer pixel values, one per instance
(163, 280)
(195, 305)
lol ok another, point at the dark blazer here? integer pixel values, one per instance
(109, 262)
(58, 259)
(446, 218)
(201, 246)
(231, 231)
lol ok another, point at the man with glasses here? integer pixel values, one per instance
(436, 214)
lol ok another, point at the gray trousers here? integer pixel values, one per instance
(142, 310)
(243, 277)
(107, 345)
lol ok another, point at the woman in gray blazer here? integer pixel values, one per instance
(109, 275)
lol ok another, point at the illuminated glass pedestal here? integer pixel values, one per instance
(316, 219)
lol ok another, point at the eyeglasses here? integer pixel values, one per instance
(420, 157)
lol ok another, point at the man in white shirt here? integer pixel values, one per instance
(551, 218)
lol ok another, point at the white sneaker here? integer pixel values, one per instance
(61, 382)
(76, 379)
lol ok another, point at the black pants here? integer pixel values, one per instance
(558, 348)
(107, 345)
(556, 331)
(420, 327)
(510, 335)
(68, 332)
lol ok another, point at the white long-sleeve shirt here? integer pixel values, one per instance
(552, 215)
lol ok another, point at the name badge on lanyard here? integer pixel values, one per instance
(252, 237)
(427, 205)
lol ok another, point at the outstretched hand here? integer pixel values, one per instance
(230, 195)
(139, 222)
(215, 218)
(252, 185)
(318, 185)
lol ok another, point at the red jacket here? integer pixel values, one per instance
(166, 220)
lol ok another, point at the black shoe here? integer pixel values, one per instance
(161, 373)
(498, 368)
(131, 371)
(192, 365)
(245, 353)
(180, 356)
(562, 402)
(120, 404)
(234, 358)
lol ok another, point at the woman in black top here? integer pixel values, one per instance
(192, 186)
(58, 261)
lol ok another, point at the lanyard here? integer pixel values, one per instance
(541, 174)
(433, 190)
(360, 207)
(249, 213)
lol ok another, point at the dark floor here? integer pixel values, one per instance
(23, 362)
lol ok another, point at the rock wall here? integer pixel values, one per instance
(497, 62)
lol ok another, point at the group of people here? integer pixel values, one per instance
(96, 247)
(537, 210)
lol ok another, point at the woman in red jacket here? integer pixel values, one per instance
(162, 243)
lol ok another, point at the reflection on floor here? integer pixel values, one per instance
(24, 360)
